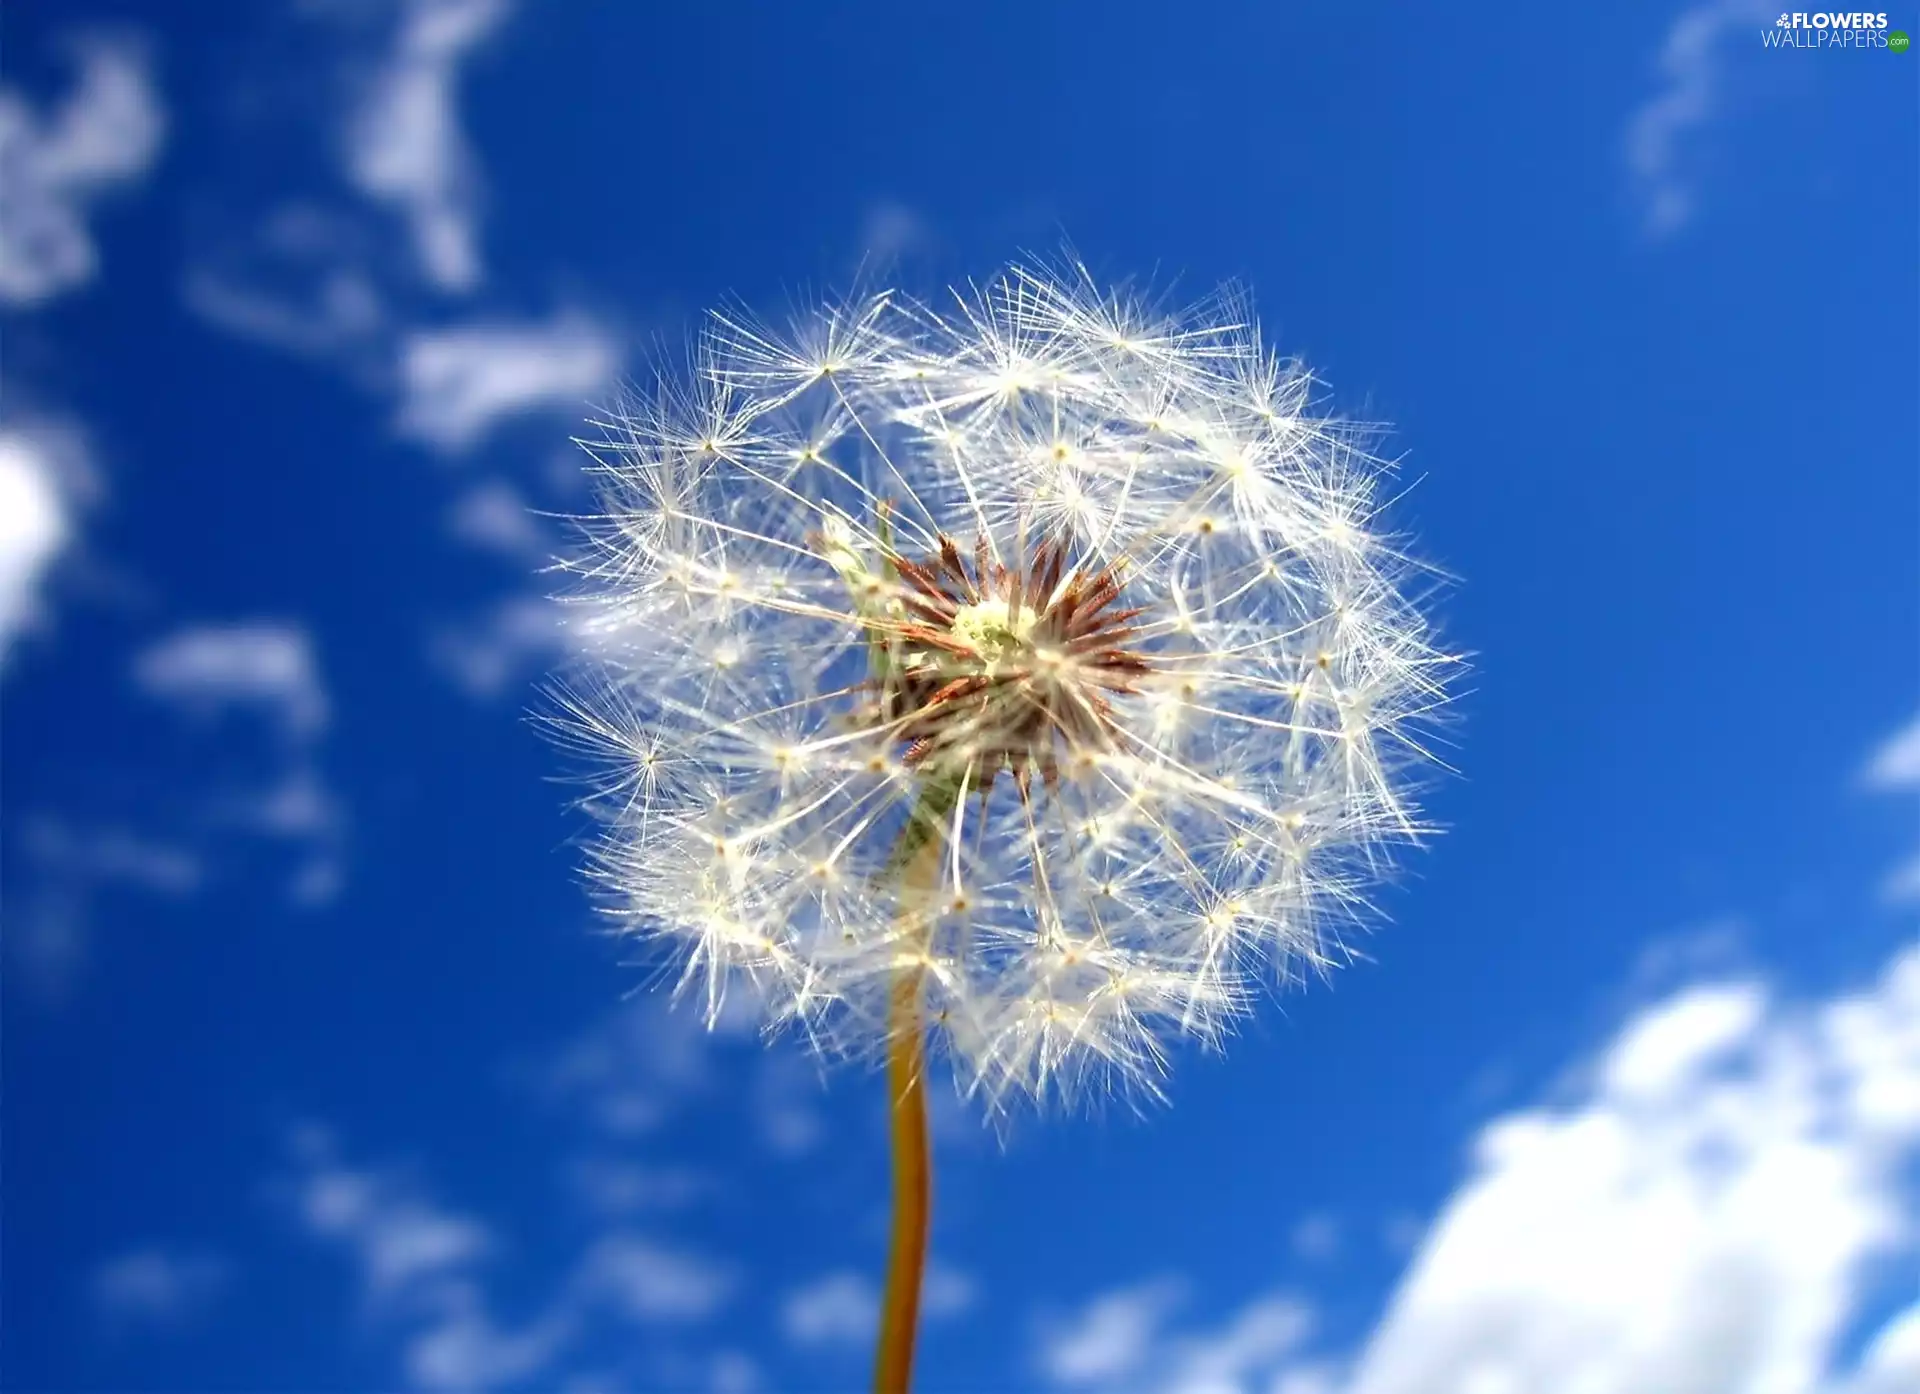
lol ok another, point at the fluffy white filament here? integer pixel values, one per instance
(1124, 851)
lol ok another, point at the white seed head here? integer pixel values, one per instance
(1074, 595)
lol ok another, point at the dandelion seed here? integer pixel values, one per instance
(1028, 673)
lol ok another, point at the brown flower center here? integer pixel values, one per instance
(991, 667)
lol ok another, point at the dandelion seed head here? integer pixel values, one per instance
(1089, 571)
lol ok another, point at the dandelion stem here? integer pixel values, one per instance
(912, 1194)
(916, 864)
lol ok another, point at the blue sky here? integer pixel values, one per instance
(316, 1073)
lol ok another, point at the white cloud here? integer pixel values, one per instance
(1237, 1354)
(613, 1189)
(1896, 764)
(462, 1348)
(496, 517)
(267, 670)
(112, 855)
(157, 1285)
(459, 383)
(786, 1095)
(1316, 1237)
(945, 1292)
(210, 669)
(73, 867)
(837, 1309)
(299, 809)
(1699, 1225)
(891, 230)
(1666, 1052)
(652, 1283)
(106, 132)
(1903, 886)
(628, 1072)
(323, 282)
(419, 1267)
(317, 280)
(297, 805)
(400, 1238)
(405, 145)
(1112, 1339)
(1708, 1217)
(33, 531)
(1891, 1364)
(45, 476)
(302, 285)
(1400, 1233)
(323, 279)
(1119, 1340)
(733, 1372)
(1691, 97)
(503, 645)
(423, 1271)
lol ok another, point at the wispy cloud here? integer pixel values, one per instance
(650, 1282)
(946, 1292)
(733, 1372)
(304, 285)
(73, 869)
(1896, 763)
(105, 133)
(458, 383)
(1316, 1236)
(611, 1187)
(1122, 1340)
(405, 145)
(267, 670)
(494, 516)
(212, 669)
(1113, 1337)
(1895, 767)
(425, 1268)
(321, 276)
(462, 1348)
(1237, 1353)
(839, 1308)
(401, 1239)
(401, 308)
(629, 1072)
(158, 1286)
(486, 653)
(1661, 133)
(265, 788)
(503, 645)
(419, 1266)
(786, 1099)
(112, 854)
(891, 230)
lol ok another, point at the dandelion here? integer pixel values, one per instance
(1023, 677)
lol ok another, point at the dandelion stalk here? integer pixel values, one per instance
(912, 1193)
(917, 860)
